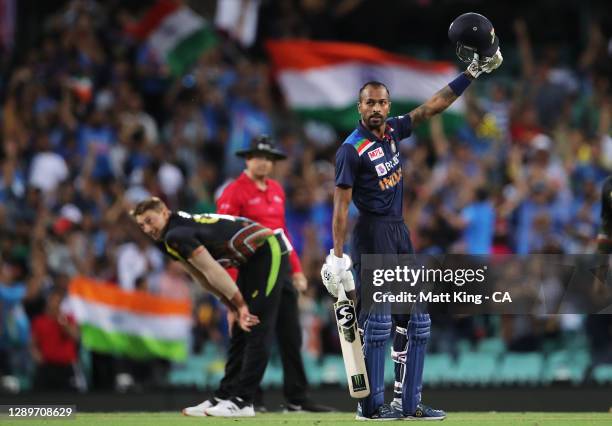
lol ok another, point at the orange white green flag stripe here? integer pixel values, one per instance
(135, 324)
(362, 146)
(321, 80)
(175, 33)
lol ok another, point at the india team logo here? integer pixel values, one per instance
(375, 154)
(381, 170)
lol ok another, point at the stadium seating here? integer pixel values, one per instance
(473, 368)
(492, 345)
(312, 368)
(436, 369)
(602, 374)
(566, 365)
(487, 364)
(520, 369)
(332, 370)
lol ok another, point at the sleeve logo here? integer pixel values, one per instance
(375, 154)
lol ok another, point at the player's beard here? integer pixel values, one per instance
(375, 121)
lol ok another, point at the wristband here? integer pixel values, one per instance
(459, 84)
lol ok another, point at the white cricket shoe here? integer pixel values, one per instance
(200, 409)
(234, 407)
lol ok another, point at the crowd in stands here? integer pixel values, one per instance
(92, 123)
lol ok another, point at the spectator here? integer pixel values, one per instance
(14, 324)
(55, 338)
(476, 222)
(48, 169)
(138, 261)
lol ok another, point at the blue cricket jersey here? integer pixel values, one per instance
(372, 167)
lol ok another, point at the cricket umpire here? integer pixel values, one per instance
(205, 244)
(369, 173)
(255, 196)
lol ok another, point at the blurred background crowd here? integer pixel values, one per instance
(93, 122)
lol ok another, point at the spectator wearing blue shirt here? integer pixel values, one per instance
(540, 217)
(477, 223)
(14, 324)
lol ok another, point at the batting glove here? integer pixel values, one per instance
(346, 278)
(338, 264)
(494, 62)
(336, 272)
(476, 67)
(330, 280)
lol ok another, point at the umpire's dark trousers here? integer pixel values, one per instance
(289, 337)
(261, 281)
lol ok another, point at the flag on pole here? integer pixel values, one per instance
(135, 324)
(321, 80)
(176, 34)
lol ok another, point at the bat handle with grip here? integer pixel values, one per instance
(341, 293)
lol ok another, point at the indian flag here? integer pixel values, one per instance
(134, 324)
(321, 80)
(175, 33)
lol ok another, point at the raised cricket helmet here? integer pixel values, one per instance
(473, 34)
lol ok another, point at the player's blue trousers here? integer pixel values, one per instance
(388, 235)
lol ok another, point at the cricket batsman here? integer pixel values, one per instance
(369, 173)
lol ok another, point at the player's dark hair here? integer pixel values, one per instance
(375, 84)
(152, 203)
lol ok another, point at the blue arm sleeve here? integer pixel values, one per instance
(347, 165)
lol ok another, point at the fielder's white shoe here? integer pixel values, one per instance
(200, 409)
(234, 407)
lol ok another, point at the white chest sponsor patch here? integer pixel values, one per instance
(375, 154)
(381, 170)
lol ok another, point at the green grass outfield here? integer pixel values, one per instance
(303, 419)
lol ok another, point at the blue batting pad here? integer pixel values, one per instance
(376, 333)
(418, 334)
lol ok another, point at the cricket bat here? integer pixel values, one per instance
(350, 341)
